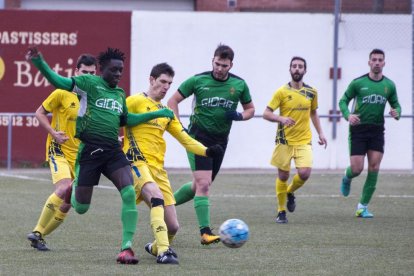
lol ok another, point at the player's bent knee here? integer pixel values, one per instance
(81, 208)
(356, 173)
(356, 170)
(157, 202)
(128, 194)
(203, 187)
(173, 228)
(65, 207)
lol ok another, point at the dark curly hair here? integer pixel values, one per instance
(110, 53)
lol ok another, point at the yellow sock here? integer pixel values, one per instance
(51, 205)
(54, 223)
(297, 182)
(281, 193)
(154, 249)
(170, 238)
(159, 228)
(154, 244)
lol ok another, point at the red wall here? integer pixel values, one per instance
(61, 37)
(348, 6)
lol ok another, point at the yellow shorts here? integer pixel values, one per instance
(283, 155)
(61, 168)
(148, 173)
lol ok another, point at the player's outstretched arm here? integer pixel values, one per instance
(55, 79)
(194, 146)
(134, 119)
(176, 129)
(190, 144)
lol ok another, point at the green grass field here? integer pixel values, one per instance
(322, 237)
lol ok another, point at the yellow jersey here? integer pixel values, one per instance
(64, 106)
(145, 142)
(296, 104)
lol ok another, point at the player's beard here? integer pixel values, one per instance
(220, 75)
(377, 70)
(296, 76)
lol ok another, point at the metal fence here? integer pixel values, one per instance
(8, 120)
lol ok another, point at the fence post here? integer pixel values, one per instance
(9, 142)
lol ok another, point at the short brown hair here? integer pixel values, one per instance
(224, 52)
(86, 59)
(377, 51)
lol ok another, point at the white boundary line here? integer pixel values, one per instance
(306, 196)
(217, 195)
(24, 177)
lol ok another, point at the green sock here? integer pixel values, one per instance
(369, 187)
(184, 194)
(79, 207)
(202, 208)
(129, 216)
(348, 173)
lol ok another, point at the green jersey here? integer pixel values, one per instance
(212, 98)
(100, 111)
(370, 99)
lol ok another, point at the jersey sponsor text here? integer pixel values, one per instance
(110, 104)
(374, 99)
(217, 102)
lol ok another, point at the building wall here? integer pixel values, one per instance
(264, 44)
(23, 89)
(104, 5)
(362, 6)
(320, 6)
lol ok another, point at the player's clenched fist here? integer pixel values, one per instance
(32, 52)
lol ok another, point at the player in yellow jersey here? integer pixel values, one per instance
(145, 147)
(297, 104)
(61, 151)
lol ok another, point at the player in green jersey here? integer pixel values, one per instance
(216, 96)
(370, 92)
(102, 111)
(61, 150)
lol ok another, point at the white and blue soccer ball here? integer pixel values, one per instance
(234, 233)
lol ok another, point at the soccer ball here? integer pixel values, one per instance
(234, 233)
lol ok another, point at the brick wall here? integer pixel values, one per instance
(350, 6)
(12, 4)
(324, 6)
